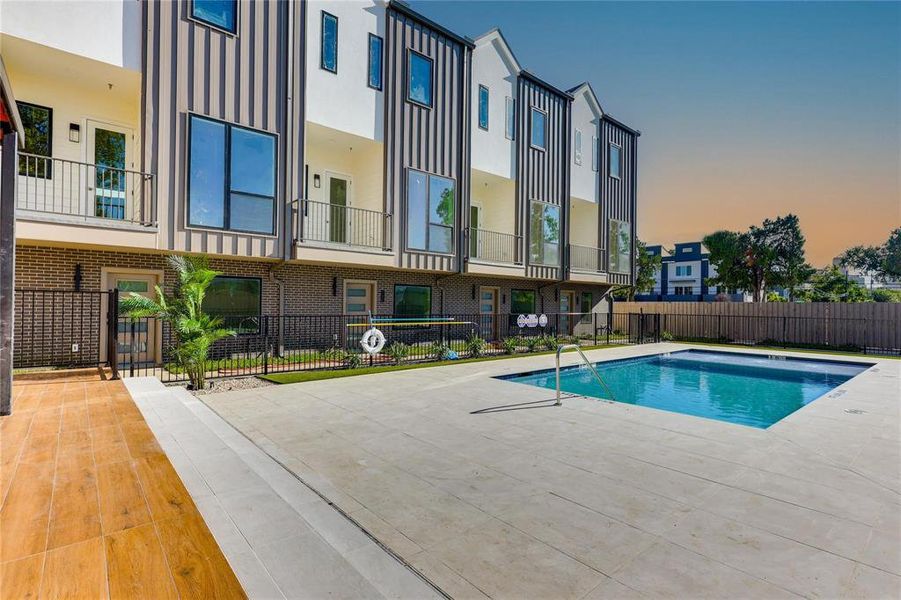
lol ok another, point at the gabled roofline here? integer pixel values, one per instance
(9, 101)
(535, 79)
(575, 91)
(497, 34)
(620, 124)
(406, 10)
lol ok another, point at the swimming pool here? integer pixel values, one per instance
(748, 389)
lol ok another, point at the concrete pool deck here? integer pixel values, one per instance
(597, 499)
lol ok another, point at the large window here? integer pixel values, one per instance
(683, 271)
(544, 234)
(431, 202)
(231, 177)
(37, 122)
(620, 247)
(419, 79)
(483, 107)
(616, 161)
(577, 147)
(522, 302)
(237, 300)
(412, 300)
(375, 62)
(328, 51)
(218, 13)
(538, 129)
(510, 110)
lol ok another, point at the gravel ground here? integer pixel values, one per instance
(214, 386)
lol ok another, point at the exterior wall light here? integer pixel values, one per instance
(74, 132)
(316, 180)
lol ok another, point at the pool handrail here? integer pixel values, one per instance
(560, 349)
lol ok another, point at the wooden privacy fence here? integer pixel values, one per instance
(868, 327)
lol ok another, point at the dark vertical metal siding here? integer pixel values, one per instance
(541, 175)
(239, 78)
(618, 196)
(433, 139)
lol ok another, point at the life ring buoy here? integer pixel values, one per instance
(373, 341)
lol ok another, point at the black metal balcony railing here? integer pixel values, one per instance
(493, 246)
(587, 258)
(344, 225)
(71, 188)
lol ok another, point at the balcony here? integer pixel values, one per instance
(494, 247)
(67, 191)
(587, 263)
(344, 227)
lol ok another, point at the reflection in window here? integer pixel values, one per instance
(431, 202)
(522, 302)
(375, 61)
(620, 247)
(577, 147)
(37, 121)
(483, 107)
(538, 128)
(412, 300)
(249, 203)
(109, 174)
(419, 79)
(544, 234)
(328, 51)
(510, 108)
(616, 161)
(237, 300)
(594, 153)
(220, 13)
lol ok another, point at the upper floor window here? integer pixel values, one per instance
(328, 51)
(375, 62)
(577, 147)
(231, 177)
(595, 150)
(431, 202)
(544, 234)
(683, 271)
(616, 161)
(510, 110)
(37, 122)
(483, 107)
(538, 129)
(218, 13)
(620, 245)
(419, 79)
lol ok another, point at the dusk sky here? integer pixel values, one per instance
(747, 110)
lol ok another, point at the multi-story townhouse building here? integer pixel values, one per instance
(683, 277)
(328, 157)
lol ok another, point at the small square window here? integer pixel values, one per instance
(419, 79)
(328, 52)
(483, 107)
(538, 129)
(375, 62)
(218, 13)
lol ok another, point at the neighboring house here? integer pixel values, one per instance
(683, 277)
(329, 157)
(865, 279)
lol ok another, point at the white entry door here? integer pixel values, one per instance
(110, 179)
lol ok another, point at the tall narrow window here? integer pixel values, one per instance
(375, 62)
(577, 147)
(538, 126)
(544, 234)
(483, 107)
(231, 177)
(218, 13)
(38, 124)
(510, 114)
(328, 51)
(419, 79)
(620, 247)
(431, 202)
(595, 150)
(616, 161)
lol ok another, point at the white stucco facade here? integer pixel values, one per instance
(344, 100)
(494, 67)
(586, 121)
(108, 31)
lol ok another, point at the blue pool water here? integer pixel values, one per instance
(747, 389)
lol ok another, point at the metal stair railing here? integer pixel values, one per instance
(594, 371)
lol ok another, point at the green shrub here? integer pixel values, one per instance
(884, 295)
(510, 345)
(353, 360)
(547, 342)
(398, 352)
(335, 354)
(532, 343)
(440, 351)
(476, 345)
(666, 336)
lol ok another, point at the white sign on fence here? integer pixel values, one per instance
(523, 321)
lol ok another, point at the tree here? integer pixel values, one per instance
(831, 285)
(762, 257)
(880, 262)
(195, 331)
(645, 276)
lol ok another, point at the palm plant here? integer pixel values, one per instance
(194, 330)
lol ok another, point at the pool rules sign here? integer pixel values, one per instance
(523, 321)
